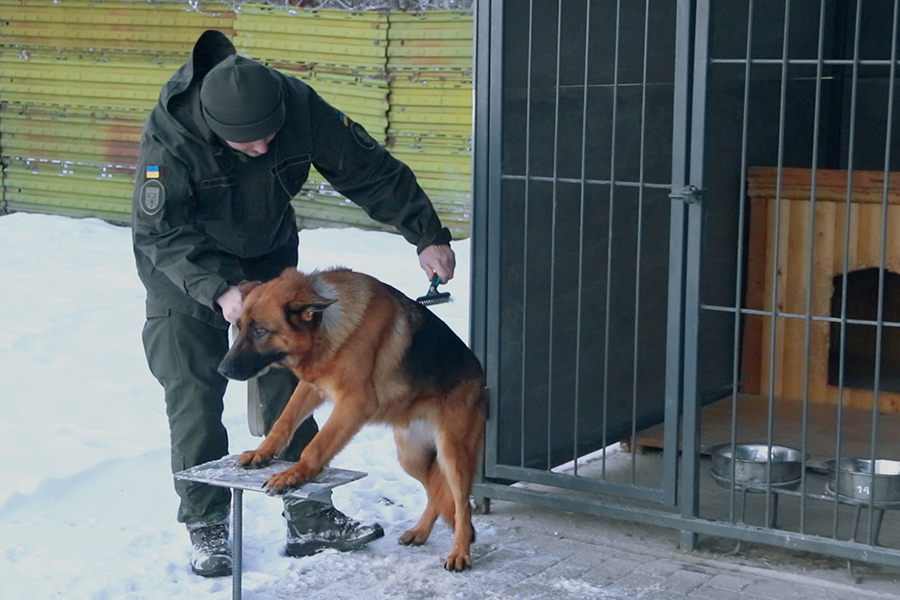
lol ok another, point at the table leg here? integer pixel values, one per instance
(856, 521)
(879, 517)
(773, 516)
(238, 537)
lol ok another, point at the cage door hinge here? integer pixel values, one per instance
(690, 194)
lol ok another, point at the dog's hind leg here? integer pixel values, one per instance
(459, 445)
(417, 454)
(459, 481)
(303, 402)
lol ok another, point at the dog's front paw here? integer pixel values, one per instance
(254, 459)
(458, 561)
(293, 477)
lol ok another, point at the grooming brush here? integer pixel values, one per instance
(433, 296)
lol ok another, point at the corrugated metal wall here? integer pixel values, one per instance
(77, 79)
(430, 118)
(76, 82)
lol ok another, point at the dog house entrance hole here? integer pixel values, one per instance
(860, 339)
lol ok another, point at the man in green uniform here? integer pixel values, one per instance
(227, 146)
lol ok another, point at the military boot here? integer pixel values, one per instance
(211, 554)
(328, 528)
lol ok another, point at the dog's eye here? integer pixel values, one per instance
(259, 331)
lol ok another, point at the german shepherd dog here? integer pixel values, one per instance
(381, 358)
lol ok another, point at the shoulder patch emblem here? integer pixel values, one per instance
(153, 196)
(362, 136)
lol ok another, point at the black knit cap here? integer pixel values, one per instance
(242, 100)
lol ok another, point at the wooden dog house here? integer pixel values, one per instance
(779, 234)
(821, 281)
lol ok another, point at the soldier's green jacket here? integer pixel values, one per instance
(205, 217)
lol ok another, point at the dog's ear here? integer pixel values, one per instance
(300, 313)
(245, 287)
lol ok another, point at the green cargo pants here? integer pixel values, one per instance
(183, 354)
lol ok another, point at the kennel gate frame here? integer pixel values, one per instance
(685, 309)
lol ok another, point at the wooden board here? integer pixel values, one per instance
(831, 185)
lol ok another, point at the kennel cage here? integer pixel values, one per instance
(650, 185)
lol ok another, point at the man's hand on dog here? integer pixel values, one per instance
(438, 259)
(231, 303)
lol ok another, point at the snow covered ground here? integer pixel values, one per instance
(87, 508)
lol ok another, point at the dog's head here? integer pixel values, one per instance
(279, 323)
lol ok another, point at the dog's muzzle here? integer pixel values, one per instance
(241, 364)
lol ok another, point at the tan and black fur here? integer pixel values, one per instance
(381, 358)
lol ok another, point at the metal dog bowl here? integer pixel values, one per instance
(755, 466)
(852, 478)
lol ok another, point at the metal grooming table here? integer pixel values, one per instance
(225, 473)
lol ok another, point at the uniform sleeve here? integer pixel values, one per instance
(365, 172)
(164, 229)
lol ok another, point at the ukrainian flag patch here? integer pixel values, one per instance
(152, 172)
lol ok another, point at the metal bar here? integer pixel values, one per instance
(581, 217)
(548, 179)
(690, 472)
(637, 261)
(609, 236)
(555, 206)
(807, 61)
(486, 221)
(782, 116)
(798, 316)
(580, 484)
(804, 427)
(739, 264)
(480, 336)
(677, 232)
(522, 407)
(846, 264)
(649, 516)
(495, 208)
(237, 499)
(480, 138)
(881, 271)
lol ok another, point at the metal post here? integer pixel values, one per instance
(581, 234)
(238, 535)
(845, 270)
(675, 309)
(524, 344)
(804, 428)
(690, 460)
(875, 516)
(610, 237)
